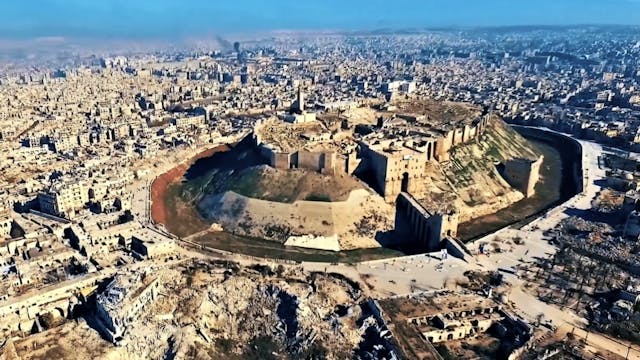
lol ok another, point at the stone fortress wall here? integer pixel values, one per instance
(439, 147)
(388, 167)
(326, 162)
(428, 229)
(400, 165)
(458, 136)
(570, 151)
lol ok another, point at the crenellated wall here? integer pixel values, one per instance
(458, 136)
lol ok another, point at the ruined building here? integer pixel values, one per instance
(123, 302)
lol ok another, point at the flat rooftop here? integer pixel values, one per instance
(433, 303)
(148, 236)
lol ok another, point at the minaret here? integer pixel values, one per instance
(300, 100)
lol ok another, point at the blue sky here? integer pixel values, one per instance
(182, 18)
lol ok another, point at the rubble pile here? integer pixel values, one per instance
(212, 311)
(576, 225)
(598, 240)
(608, 201)
(370, 224)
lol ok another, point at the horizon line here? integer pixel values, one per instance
(211, 34)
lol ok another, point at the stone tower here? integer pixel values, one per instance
(523, 174)
(300, 100)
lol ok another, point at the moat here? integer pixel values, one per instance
(556, 185)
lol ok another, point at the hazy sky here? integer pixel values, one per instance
(180, 18)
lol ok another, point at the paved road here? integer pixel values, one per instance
(536, 244)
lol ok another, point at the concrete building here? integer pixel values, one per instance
(64, 199)
(182, 122)
(406, 87)
(149, 244)
(64, 143)
(622, 181)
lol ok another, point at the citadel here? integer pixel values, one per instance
(391, 155)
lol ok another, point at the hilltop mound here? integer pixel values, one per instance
(268, 203)
(237, 191)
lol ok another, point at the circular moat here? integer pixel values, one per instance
(172, 207)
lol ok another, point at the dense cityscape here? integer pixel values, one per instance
(418, 194)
